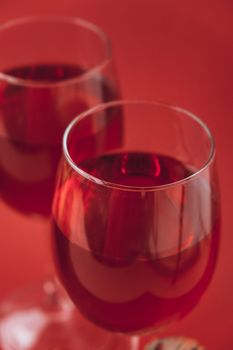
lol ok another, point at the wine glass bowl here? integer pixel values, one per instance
(44, 84)
(136, 223)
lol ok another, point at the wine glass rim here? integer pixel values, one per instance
(137, 188)
(65, 19)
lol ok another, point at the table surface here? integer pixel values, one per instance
(175, 51)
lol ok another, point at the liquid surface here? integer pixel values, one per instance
(136, 169)
(126, 258)
(48, 73)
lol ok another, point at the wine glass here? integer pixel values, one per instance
(52, 68)
(136, 226)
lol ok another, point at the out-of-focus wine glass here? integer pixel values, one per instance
(136, 226)
(51, 69)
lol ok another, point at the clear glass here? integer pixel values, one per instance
(51, 69)
(136, 224)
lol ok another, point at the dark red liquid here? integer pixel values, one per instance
(109, 247)
(32, 121)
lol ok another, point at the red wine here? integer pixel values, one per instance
(109, 247)
(33, 115)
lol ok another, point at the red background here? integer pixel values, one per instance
(175, 51)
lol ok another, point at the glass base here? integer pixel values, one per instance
(43, 318)
(173, 343)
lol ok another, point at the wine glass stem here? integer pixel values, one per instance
(135, 343)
